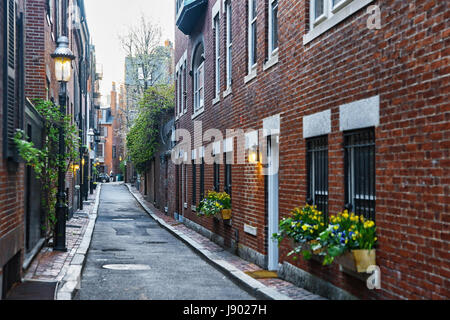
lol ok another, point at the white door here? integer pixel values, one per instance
(272, 201)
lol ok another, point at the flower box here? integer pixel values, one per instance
(357, 260)
(224, 214)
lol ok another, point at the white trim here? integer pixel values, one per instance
(272, 61)
(360, 114)
(228, 44)
(215, 12)
(217, 59)
(317, 124)
(342, 12)
(251, 75)
(227, 92)
(251, 139)
(181, 61)
(271, 125)
(216, 100)
(250, 36)
(197, 113)
(270, 49)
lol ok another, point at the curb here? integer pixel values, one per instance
(246, 282)
(71, 281)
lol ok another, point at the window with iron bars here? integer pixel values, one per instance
(317, 173)
(359, 164)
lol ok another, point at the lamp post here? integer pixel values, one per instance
(62, 57)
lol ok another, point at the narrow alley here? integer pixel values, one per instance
(147, 261)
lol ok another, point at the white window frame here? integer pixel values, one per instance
(183, 88)
(333, 14)
(272, 51)
(199, 91)
(178, 94)
(252, 43)
(180, 73)
(229, 43)
(103, 150)
(217, 55)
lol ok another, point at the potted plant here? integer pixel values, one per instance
(216, 204)
(303, 227)
(350, 240)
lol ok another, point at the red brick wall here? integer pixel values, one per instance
(11, 183)
(406, 64)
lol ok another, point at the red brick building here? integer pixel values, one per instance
(12, 175)
(29, 30)
(353, 95)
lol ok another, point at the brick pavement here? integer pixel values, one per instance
(51, 265)
(292, 291)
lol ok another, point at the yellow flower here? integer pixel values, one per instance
(316, 227)
(304, 227)
(336, 227)
(345, 215)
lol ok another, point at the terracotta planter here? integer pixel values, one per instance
(226, 214)
(357, 260)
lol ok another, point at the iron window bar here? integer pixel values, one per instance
(359, 163)
(317, 173)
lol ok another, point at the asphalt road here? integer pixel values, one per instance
(125, 235)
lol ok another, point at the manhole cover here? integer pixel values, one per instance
(124, 267)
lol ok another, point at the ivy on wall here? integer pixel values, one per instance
(46, 161)
(143, 138)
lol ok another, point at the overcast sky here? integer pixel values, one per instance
(109, 18)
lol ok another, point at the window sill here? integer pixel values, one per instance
(252, 75)
(340, 15)
(227, 92)
(271, 62)
(216, 99)
(197, 113)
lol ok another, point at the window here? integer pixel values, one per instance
(317, 172)
(100, 148)
(114, 152)
(273, 26)
(229, 43)
(252, 52)
(359, 164)
(319, 10)
(324, 14)
(183, 87)
(199, 77)
(217, 53)
(227, 173)
(194, 183)
(216, 176)
(179, 93)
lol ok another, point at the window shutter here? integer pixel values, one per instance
(9, 124)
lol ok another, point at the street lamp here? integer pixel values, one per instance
(62, 57)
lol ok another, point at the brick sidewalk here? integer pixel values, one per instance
(51, 265)
(292, 291)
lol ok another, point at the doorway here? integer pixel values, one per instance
(272, 200)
